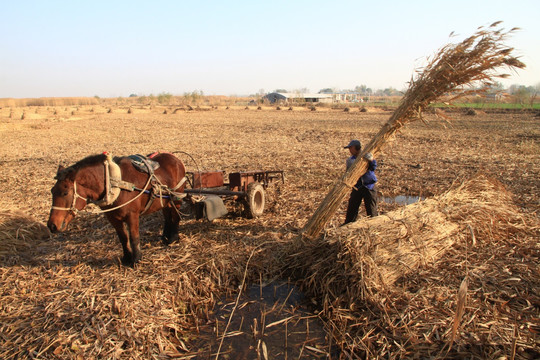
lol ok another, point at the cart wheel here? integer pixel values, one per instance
(255, 199)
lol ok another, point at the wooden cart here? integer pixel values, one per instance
(248, 187)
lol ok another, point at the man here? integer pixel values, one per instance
(364, 188)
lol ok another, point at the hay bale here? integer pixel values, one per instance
(471, 112)
(363, 109)
(347, 109)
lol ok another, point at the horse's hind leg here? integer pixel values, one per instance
(170, 227)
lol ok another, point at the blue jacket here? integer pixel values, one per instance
(369, 179)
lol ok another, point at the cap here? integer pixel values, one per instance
(353, 143)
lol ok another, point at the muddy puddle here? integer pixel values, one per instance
(267, 322)
(402, 199)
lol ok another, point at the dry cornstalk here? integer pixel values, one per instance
(454, 71)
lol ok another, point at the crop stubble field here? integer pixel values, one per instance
(423, 160)
(74, 299)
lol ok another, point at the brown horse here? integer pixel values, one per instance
(123, 193)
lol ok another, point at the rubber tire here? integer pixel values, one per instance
(254, 201)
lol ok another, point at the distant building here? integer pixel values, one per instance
(292, 97)
(498, 96)
(347, 97)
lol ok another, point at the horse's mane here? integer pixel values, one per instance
(87, 161)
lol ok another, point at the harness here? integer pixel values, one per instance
(114, 185)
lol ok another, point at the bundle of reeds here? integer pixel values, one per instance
(388, 285)
(454, 70)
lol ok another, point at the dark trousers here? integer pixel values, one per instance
(370, 201)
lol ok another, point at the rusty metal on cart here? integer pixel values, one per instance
(212, 182)
(239, 181)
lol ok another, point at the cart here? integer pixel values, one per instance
(208, 189)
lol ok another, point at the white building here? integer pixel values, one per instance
(292, 97)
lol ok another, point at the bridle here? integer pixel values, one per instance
(73, 208)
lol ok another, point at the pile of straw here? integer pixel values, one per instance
(66, 301)
(19, 231)
(388, 285)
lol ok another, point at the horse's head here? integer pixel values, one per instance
(66, 202)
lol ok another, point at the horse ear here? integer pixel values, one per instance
(60, 168)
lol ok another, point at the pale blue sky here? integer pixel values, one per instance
(116, 48)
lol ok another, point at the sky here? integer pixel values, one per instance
(237, 48)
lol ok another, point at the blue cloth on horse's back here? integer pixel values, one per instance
(143, 164)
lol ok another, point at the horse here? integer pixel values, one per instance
(123, 194)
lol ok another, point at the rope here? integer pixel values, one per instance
(349, 185)
(101, 211)
(191, 157)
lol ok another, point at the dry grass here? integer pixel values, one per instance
(19, 230)
(68, 297)
(389, 285)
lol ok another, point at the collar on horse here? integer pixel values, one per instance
(113, 182)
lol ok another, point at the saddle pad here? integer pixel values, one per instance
(143, 164)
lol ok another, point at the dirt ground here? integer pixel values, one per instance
(63, 288)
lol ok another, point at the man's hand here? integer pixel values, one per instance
(368, 156)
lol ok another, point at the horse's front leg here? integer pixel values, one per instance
(123, 236)
(134, 240)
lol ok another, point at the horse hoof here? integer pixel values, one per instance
(128, 262)
(165, 240)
